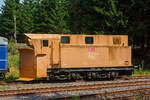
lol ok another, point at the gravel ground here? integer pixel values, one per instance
(46, 85)
(77, 93)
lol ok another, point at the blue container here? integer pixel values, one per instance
(3, 55)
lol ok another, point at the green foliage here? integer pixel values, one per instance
(13, 61)
(129, 17)
(142, 72)
(58, 16)
(96, 17)
(10, 10)
(4, 88)
(12, 47)
(13, 64)
(114, 20)
(82, 18)
(77, 97)
(27, 16)
(75, 16)
(51, 17)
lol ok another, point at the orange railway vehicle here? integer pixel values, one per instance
(63, 56)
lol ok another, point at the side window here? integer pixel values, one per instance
(45, 43)
(89, 40)
(116, 40)
(65, 39)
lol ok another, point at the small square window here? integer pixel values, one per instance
(45, 43)
(89, 40)
(65, 39)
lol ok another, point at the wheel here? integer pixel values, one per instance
(2, 76)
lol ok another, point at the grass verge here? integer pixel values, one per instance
(141, 72)
(13, 64)
(4, 88)
(13, 61)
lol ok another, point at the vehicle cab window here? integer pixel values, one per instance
(89, 40)
(45, 43)
(65, 39)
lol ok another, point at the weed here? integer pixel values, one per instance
(13, 61)
(77, 97)
(13, 64)
(4, 88)
(142, 72)
(19, 87)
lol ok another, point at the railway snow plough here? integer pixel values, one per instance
(63, 56)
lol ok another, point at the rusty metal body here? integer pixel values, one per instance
(48, 52)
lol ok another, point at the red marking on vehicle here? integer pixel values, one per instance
(91, 49)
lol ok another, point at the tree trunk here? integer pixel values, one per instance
(15, 37)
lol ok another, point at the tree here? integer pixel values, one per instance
(96, 16)
(138, 28)
(51, 16)
(27, 17)
(58, 17)
(114, 20)
(9, 10)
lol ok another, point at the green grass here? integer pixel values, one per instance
(142, 72)
(13, 61)
(4, 88)
(77, 97)
(13, 64)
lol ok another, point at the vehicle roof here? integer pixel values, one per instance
(3, 41)
(45, 36)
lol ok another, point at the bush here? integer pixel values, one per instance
(13, 47)
(13, 61)
(13, 64)
(141, 72)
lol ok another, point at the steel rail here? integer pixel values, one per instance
(83, 87)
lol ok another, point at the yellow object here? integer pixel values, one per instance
(47, 51)
(25, 79)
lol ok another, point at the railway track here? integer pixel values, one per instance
(135, 77)
(3, 83)
(99, 89)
